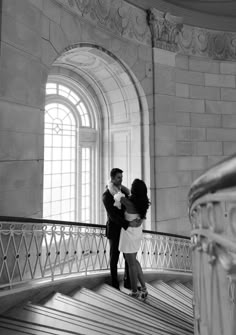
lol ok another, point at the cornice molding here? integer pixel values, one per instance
(159, 29)
(169, 33)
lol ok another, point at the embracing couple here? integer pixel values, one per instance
(126, 211)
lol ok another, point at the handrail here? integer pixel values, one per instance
(34, 249)
(212, 213)
(165, 234)
(45, 221)
(73, 223)
(220, 176)
(227, 243)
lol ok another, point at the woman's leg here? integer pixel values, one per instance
(133, 271)
(144, 292)
(140, 274)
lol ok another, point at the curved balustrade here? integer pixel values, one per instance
(34, 249)
(212, 211)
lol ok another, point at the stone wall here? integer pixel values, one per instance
(195, 103)
(184, 81)
(37, 33)
(21, 110)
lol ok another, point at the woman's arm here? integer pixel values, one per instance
(129, 207)
(125, 201)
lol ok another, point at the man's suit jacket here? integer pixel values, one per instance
(115, 216)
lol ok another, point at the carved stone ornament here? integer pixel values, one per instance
(209, 43)
(165, 29)
(160, 29)
(115, 16)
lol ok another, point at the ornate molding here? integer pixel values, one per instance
(116, 16)
(165, 29)
(160, 29)
(169, 33)
(209, 43)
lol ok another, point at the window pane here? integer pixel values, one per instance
(66, 154)
(64, 91)
(82, 106)
(56, 180)
(47, 167)
(47, 195)
(73, 98)
(83, 114)
(56, 207)
(57, 154)
(66, 166)
(65, 192)
(56, 167)
(72, 205)
(67, 141)
(51, 88)
(57, 140)
(85, 187)
(66, 217)
(65, 206)
(86, 120)
(48, 140)
(66, 180)
(48, 180)
(56, 193)
(46, 209)
(47, 154)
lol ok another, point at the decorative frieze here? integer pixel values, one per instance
(209, 43)
(159, 29)
(169, 33)
(116, 16)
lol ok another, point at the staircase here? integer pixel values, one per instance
(105, 311)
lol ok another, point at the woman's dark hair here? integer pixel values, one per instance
(139, 197)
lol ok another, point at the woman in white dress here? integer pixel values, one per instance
(136, 206)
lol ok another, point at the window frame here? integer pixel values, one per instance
(91, 141)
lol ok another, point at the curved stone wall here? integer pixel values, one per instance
(185, 83)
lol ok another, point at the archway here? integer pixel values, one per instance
(115, 99)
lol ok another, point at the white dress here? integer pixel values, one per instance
(130, 239)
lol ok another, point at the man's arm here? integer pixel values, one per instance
(114, 213)
(136, 222)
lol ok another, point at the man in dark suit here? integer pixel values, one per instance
(116, 221)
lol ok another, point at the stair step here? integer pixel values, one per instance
(189, 285)
(106, 311)
(182, 288)
(169, 299)
(151, 302)
(41, 315)
(98, 314)
(138, 311)
(173, 292)
(155, 301)
(18, 327)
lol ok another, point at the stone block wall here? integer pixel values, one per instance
(195, 128)
(182, 110)
(21, 110)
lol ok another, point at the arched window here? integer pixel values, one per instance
(69, 153)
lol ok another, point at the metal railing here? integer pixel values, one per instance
(34, 249)
(212, 212)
